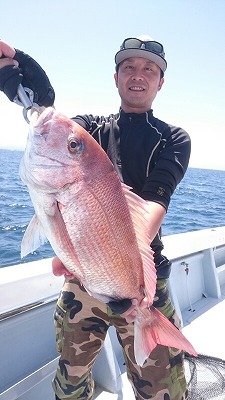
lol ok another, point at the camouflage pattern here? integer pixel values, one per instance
(81, 326)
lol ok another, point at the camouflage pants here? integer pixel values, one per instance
(81, 326)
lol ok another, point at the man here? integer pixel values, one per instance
(149, 155)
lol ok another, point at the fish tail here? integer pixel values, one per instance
(153, 329)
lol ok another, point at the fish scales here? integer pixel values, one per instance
(101, 244)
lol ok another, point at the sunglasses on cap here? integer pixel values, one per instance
(150, 45)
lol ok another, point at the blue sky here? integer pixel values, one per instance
(75, 42)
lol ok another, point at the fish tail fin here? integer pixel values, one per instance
(153, 329)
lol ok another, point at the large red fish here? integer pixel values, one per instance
(96, 225)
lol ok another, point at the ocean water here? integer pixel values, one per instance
(198, 203)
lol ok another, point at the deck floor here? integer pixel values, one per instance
(207, 331)
(126, 392)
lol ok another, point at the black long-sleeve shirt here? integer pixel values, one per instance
(149, 155)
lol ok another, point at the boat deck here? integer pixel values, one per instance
(206, 331)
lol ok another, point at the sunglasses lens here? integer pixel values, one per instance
(132, 44)
(154, 46)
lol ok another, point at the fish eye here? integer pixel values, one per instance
(73, 144)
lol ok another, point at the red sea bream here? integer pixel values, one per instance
(95, 224)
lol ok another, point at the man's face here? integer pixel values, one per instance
(138, 81)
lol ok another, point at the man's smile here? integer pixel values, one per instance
(136, 88)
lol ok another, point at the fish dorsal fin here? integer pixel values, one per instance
(141, 221)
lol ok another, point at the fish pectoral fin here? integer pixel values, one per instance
(157, 329)
(33, 238)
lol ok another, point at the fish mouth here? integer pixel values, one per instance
(38, 119)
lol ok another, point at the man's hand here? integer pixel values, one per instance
(131, 314)
(18, 67)
(10, 74)
(128, 308)
(59, 269)
(6, 50)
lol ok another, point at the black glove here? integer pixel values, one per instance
(120, 306)
(31, 75)
(10, 78)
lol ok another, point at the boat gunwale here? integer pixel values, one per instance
(27, 307)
